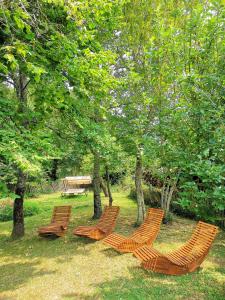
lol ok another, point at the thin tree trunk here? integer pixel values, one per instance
(108, 186)
(162, 195)
(18, 218)
(52, 174)
(103, 187)
(169, 198)
(97, 187)
(164, 199)
(139, 190)
(166, 196)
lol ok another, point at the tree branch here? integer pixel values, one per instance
(7, 79)
(23, 89)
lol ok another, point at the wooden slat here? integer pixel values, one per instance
(104, 227)
(59, 222)
(183, 260)
(145, 234)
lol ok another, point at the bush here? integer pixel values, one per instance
(151, 197)
(168, 219)
(179, 210)
(31, 209)
(6, 211)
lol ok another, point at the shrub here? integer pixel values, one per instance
(188, 209)
(31, 209)
(6, 211)
(151, 197)
(168, 218)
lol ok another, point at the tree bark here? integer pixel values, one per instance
(21, 83)
(108, 186)
(167, 191)
(162, 194)
(169, 197)
(18, 217)
(139, 190)
(52, 174)
(103, 187)
(97, 187)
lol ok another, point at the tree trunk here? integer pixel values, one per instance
(52, 174)
(162, 194)
(108, 186)
(169, 197)
(167, 191)
(97, 187)
(103, 187)
(139, 190)
(18, 218)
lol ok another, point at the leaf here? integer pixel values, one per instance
(10, 57)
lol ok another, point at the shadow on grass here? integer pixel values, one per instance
(13, 275)
(144, 284)
(111, 252)
(33, 247)
(219, 247)
(79, 296)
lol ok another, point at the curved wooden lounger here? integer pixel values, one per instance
(59, 222)
(104, 227)
(144, 235)
(184, 260)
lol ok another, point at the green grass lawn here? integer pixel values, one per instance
(78, 268)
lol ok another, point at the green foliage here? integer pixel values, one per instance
(5, 193)
(111, 77)
(202, 189)
(151, 196)
(30, 209)
(174, 100)
(6, 213)
(57, 48)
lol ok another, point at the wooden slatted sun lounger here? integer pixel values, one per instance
(104, 227)
(144, 235)
(59, 222)
(184, 260)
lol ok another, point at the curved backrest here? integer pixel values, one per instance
(198, 245)
(202, 237)
(108, 218)
(61, 214)
(150, 227)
